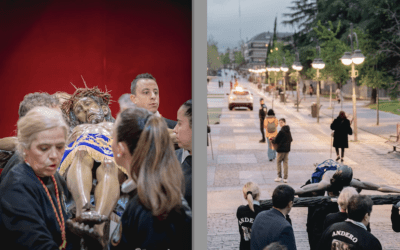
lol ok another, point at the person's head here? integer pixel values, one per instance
(42, 134)
(88, 105)
(282, 122)
(145, 93)
(342, 115)
(283, 197)
(251, 192)
(344, 197)
(271, 112)
(275, 246)
(143, 146)
(125, 102)
(341, 178)
(183, 128)
(359, 208)
(261, 101)
(37, 99)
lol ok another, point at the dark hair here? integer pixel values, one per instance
(188, 112)
(138, 77)
(131, 125)
(275, 246)
(358, 206)
(341, 178)
(155, 168)
(282, 195)
(261, 99)
(283, 119)
(34, 100)
(342, 115)
(73, 121)
(271, 112)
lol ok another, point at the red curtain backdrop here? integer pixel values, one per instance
(45, 45)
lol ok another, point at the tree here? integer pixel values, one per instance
(239, 59)
(213, 58)
(225, 59)
(304, 15)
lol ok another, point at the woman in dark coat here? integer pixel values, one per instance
(342, 128)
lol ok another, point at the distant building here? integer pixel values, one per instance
(256, 48)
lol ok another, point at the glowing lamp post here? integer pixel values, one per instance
(356, 57)
(284, 69)
(318, 64)
(298, 67)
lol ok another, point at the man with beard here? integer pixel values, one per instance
(89, 155)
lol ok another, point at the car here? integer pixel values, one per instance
(240, 97)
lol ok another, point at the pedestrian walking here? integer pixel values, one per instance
(311, 90)
(231, 85)
(262, 113)
(247, 213)
(342, 128)
(222, 84)
(304, 90)
(272, 226)
(271, 125)
(338, 95)
(283, 141)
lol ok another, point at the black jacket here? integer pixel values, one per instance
(283, 140)
(262, 113)
(338, 217)
(187, 173)
(245, 221)
(342, 129)
(395, 218)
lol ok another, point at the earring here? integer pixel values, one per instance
(118, 155)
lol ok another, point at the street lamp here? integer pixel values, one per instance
(355, 58)
(276, 70)
(318, 64)
(298, 67)
(284, 69)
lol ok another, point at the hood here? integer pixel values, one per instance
(285, 128)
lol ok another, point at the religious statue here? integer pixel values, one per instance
(88, 162)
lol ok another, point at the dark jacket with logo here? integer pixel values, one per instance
(283, 140)
(246, 218)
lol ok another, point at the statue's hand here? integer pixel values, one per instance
(85, 232)
(397, 204)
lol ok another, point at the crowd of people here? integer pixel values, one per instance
(70, 149)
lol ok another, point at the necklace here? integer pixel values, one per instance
(60, 223)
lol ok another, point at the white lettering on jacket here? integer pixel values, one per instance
(345, 234)
(245, 219)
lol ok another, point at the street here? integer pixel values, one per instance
(236, 157)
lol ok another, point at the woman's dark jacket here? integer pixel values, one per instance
(283, 140)
(27, 218)
(342, 129)
(141, 230)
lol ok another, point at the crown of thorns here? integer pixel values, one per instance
(85, 92)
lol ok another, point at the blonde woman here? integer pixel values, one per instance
(247, 214)
(155, 217)
(33, 195)
(271, 130)
(343, 201)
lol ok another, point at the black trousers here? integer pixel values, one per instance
(262, 128)
(337, 151)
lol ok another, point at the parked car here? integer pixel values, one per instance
(240, 97)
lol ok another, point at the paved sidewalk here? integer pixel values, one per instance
(237, 157)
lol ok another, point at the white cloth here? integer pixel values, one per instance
(185, 154)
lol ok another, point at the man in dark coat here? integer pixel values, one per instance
(261, 114)
(283, 141)
(272, 226)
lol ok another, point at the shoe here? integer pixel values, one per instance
(341, 160)
(278, 179)
(262, 141)
(270, 159)
(285, 180)
(338, 158)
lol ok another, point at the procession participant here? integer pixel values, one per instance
(155, 217)
(145, 94)
(262, 113)
(336, 180)
(89, 155)
(30, 101)
(183, 131)
(42, 135)
(125, 102)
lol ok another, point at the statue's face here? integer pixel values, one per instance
(87, 110)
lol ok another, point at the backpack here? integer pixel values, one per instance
(271, 128)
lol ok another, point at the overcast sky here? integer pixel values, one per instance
(256, 16)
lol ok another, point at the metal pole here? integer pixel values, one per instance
(330, 96)
(297, 90)
(284, 88)
(317, 95)
(353, 76)
(333, 109)
(377, 106)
